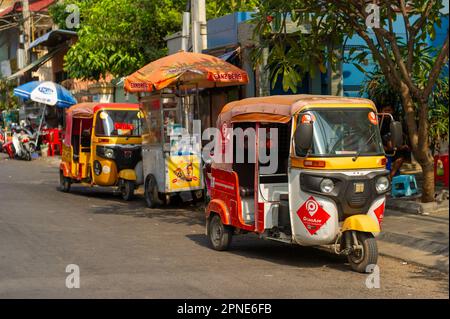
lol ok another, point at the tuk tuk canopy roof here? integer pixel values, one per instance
(86, 111)
(280, 108)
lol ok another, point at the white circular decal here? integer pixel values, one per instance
(106, 169)
(311, 207)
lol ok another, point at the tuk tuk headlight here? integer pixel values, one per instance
(105, 152)
(382, 184)
(326, 186)
(109, 153)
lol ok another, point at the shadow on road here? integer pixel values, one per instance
(185, 213)
(249, 246)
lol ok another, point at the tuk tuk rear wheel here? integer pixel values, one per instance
(64, 182)
(219, 234)
(127, 189)
(368, 255)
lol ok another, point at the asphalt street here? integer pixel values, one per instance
(125, 250)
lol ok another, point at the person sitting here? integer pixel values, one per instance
(402, 153)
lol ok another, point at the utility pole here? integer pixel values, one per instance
(25, 35)
(199, 32)
(185, 32)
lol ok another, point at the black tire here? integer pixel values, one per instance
(64, 183)
(32, 147)
(127, 189)
(151, 192)
(219, 234)
(359, 260)
(196, 199)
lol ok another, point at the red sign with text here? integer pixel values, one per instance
(312, 215)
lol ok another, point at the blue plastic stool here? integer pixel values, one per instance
(404, 185)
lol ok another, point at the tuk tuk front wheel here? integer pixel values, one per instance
(365, 252)
(219, 234)
(127, 189)
(64, 182)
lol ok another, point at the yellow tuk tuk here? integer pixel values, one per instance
(102, 146)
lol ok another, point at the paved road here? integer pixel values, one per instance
(125, 250)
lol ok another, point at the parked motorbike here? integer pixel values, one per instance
(23, 143)
(2, 139)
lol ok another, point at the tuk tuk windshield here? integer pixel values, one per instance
(118, 123)
(344, 132)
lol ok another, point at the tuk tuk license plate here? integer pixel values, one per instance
(358, 187)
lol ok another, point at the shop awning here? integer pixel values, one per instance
(8, 6)
(53, 38)
(35, 64)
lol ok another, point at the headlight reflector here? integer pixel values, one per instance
(109, 153)
(382, 184)
(327, 185)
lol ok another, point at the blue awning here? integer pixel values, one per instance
(54, 38)
(35, 64)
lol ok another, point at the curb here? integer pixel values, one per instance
(428, 246)
(412, 207)
(415, 250)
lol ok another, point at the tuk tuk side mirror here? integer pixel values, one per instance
(396, 133)
(303, 138)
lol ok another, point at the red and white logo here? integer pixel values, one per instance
(312, 215)
(379, 213)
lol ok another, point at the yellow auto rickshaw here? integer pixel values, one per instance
(305, 169)
(102, 146)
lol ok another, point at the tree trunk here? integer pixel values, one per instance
(428, 181)
(418, 137)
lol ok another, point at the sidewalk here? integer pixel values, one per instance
(419, 239)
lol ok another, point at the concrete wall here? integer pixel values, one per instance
(8, 50)
(224, 30)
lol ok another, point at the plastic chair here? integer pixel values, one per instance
(54, 142)
(404, 185)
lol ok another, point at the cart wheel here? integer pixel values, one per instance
(127, 189)
(151, 192)
(64, 182)
(219, 234)
(368, 255)
(195, 198)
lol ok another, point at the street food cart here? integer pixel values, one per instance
(171, 140)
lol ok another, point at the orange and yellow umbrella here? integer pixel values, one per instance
(187, 70)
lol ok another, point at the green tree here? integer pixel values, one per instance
(379, 90)
(117, 36)
(218, 8)
(8, 100)
(329, 22)
(120, 36)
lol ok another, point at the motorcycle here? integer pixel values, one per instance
(2, 139)
(23, 143)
